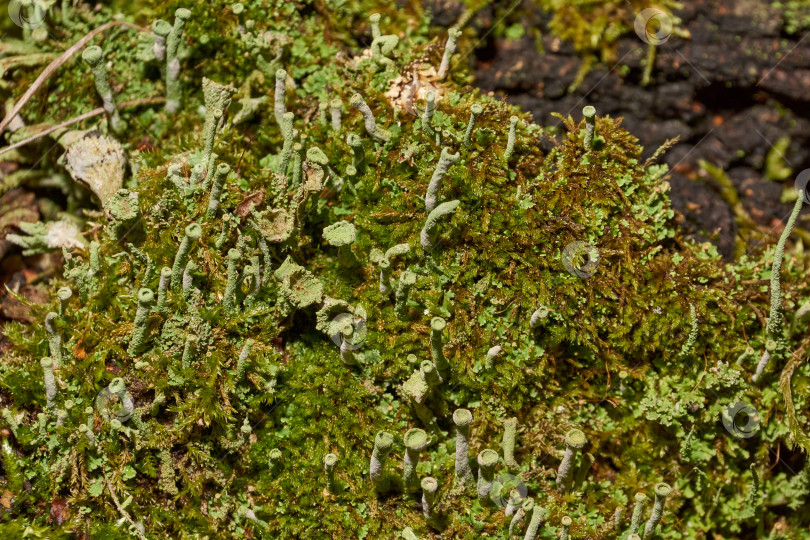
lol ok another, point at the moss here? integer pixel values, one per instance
(220, 434)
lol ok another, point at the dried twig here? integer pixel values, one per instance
(56, 64)
(85, 116)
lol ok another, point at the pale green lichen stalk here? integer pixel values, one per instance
(617, 518)
(383, 444)
(487, 460)
(192, 233)
(54, 339)
(370, 123)
(347, 345)
(163, 288)
(374, 21)
(174, 91)
(475, 110)
(229, 299)
(63, 294)
(430, 374)
(446, 160)
(437, 326)
(188, 279)
(775, 316)
(279, 105)
(49, 380)
(359, 159)
(189, 349)
(406, 282)
(336, 106)
(241, 362)
(574, 440)
(538, 515)
(589, 112)
(512, 502)
(212, 118)
(508, 445)
(329, 462)
(565, 525)
(427, 116)
(492, 354)
(385, 276)
(125, 406)
(428, 235)
(662, 491)
(384, 262)
(140, 331)
(526, 507)
(429, 487)
(95, 59)
(462, 418)
(415, 441)
(691, 340)
(638, 508)
(449, 49)
(510, 139)
(216, 190)
(585, 465)
(160, 31)
(286, 150)
(84, 429)
(539, 317)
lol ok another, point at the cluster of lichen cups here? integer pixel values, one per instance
(525, 512)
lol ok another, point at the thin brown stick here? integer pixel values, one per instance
(85, 116)
(56, 64)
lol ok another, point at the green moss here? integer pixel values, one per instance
(233, 445)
